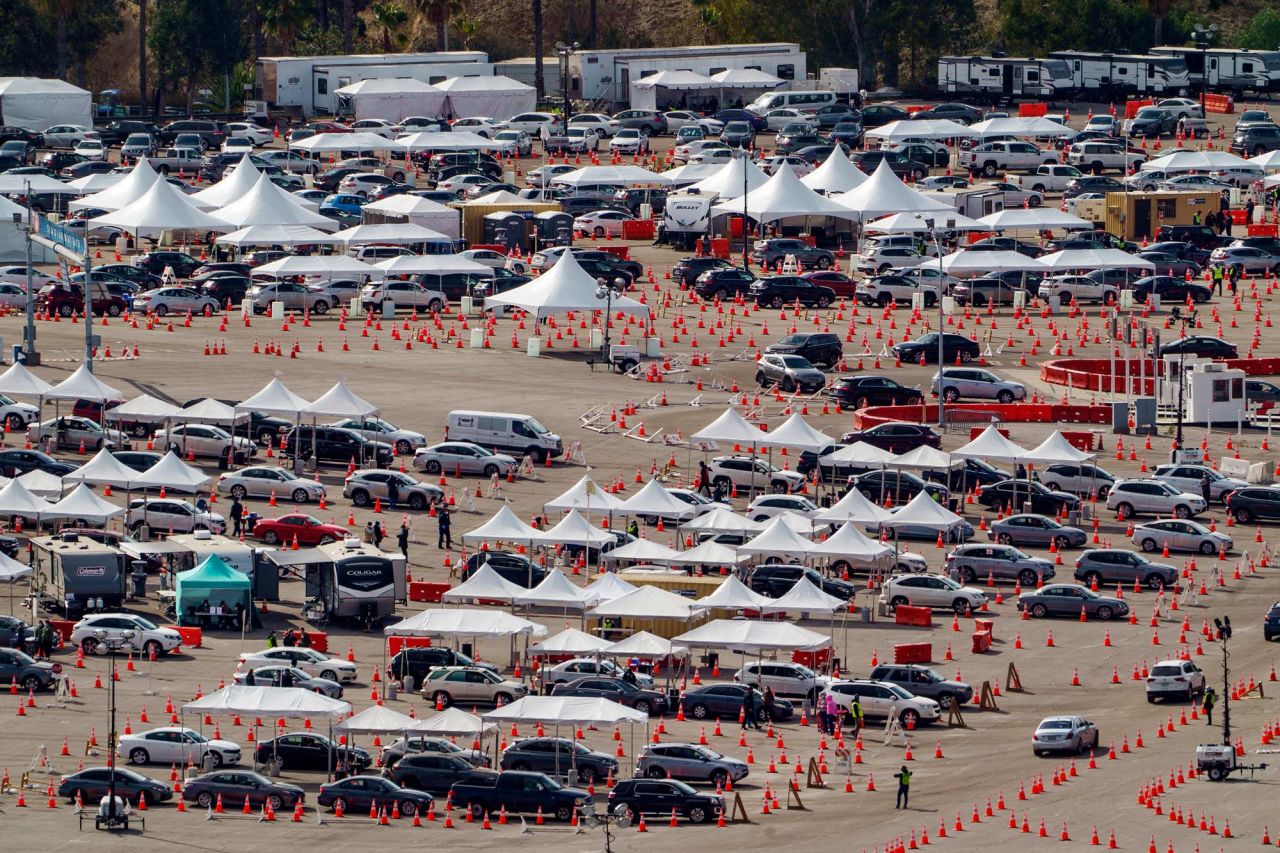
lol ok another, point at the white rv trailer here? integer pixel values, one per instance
(309, 82)
(1118, 75)
(1003, 77)
(1229, 70)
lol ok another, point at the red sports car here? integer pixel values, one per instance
(834, 279)
(306, 529)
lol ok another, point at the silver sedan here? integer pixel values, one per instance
(1180, 535)
(464, 457)
(403, 440)
(274, 676)
(174, 300)
(263, 481)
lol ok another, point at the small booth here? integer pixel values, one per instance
(213, 595)
(1212, 392)
(1138, 216)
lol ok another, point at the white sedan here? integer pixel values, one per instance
(629, 141)
(91, 149)
(68, 135)
(798, 165)
(780, 118)
(178, 746)
(420, 124)
(257, 135)
(495, 260)
(308, 660)
(718, 156)
(685, 118)
(480, 125)
(379, 126)
(237, 145)
(603, 125)
(263, 481)
(203, 440)
(598, 223)
(532, 123)
(1182, 107)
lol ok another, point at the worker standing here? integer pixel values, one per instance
(904, 787)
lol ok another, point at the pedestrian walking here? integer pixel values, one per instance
(237, 517)
(445, 540)
(833, 714)
(1216, 276)
(704, 479)
(855, 711)
(1234, 275)
(904, 787)
(378, 533)
(393, 492)
(272, 641)
(402, 540)
(1205, 486)
(304, 639)
(770, 704)
(1207, 703)
(750, 714)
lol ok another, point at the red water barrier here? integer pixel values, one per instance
(1032, 110)
(919, 617)
(1011, 413)
(1219, 104)
(981, 642)
(428, 592)
(1094, 374)
(913, 652)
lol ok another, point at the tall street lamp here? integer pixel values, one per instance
(605, 291)
(112, 644)
(937, 230)
(564, 51)
(1203, 36)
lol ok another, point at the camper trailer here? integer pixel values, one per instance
(1118, 75)
(1228, 70)
(996, 78)
(243, 558)
(308, 83)
(350, 580)
(75, 575)
(686, 218)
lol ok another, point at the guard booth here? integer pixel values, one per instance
(349, 580)
(1138, 216)
(1212, 392)
(202, 544)
(76, 575)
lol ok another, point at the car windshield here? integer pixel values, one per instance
(1056, 724)
(1169, 670)
(803, 671)
(194, 737)
(899, 692)
(682, 787)
(797, 361)
(145, 624)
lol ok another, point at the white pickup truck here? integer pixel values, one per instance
(1047, 178)
(168, 160)
(990, 158)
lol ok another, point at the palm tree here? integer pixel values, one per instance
(708, 19)
(142, 55)
(348, 16)
(467, 29)
(539, 79)
(439, 12)
(389, 17)
(592, 20)
(283, 19)
(1159, 10)
(60, 11)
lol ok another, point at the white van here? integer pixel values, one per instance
(500, 431)
(806, 101)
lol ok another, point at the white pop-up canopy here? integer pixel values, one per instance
(389, 234)
(585, 496)
(277, 235)
(729, 180)
(161, 208)
(556, 590)
(414, 210)
(642, 551)
(172, 473)
(804, 597)
(924, 511)
(95, 182)
(913, 221)
(722, 520)
(487, 95)
(359, 141)
(691, 173)
(991, 445)
(623, 174)
(574, 529)
(608, 587)
(235, 184)
(853, 507)
(274, 399)
(1055, 450)
(796, 432)
(860, 453)
(253, 701)
(565, 287)
(1032, 218)
(924, 128)
(40, 483)
(837, 174)
(461, 622)
(82, 503)
(1094, 259)
(778, 538)
(432, 140)
(884, 193)
(392, 99)
(17, 500)
(566, 710)
(850, 543)
(267, 204)
(644, 91)
(144, 407)
(733, 594)
(484, 585)
(965, 261)
(211, 411)
(642, 644)
(647, 602)
(431, 265)
(504, 526)
(570, 641)
(83, 385)
(453, 722)
(752, 637)
(925, 457)
(1033, 126)
(375, 720)
(18, 381)
(653, 499)
(103, 470)
(731, 427)
(36, 103)
(122, 193)
(340, 402)
(1196, 161)
(709, 553)
(783, 197)
(745, 78)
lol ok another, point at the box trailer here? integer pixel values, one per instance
(1115, 76)
(1229, 70)
(996, 78)
(75, 575)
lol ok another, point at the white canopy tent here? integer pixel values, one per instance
(777, 539)
(83, 504)
(1056, 450)
(1031, 126)
(644, 93)
(278, 235)
(323, 143)
(925, 457)
(932, 128)
(642, 644)
(103, 470)
(1183, 160)
(733, 594)
(647, 602)
(570, 641)
(1032, 219)
(653, 499)
(95, 182)
(566, 710)
(914, 221)
(584, 496)
(19, 381)
(172, 473)
(853, 507)
(861, 454)
(430, 265)
(837, 174)
(752, 637)
(924, 511)
(414, 210)
(722, 520)
(390, 234)
(267, 204)
(376, 719)
(642, 551)
(392, 99)
(487, 95)
(504, 526)
(453, 722)
(709, 553)
(885, 193)
(434, 140)
(731, 427)
(462, 622)
(797, 433)
(745, 78)
(691, 173)
(83, 385)
(290, 702)
(783, 197)
(574, 529)
(623, 174)
(36, 103)
(965, 261)
(144, 407)
(484, 585)
(992, 446)
(235, 184)
(161, 208)
(42, 484)
(210, 411)
(1094, 259)
(327, 265)
(274, 399)
(340, 402)
(556, 590)
(16, 500)
(729, 180)
(608, 587)
(565, 287)
(805, 598)
(850, 543)
(122, 193)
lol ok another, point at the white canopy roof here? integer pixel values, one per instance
(569, 710)
(1093, 259)
(18, 381)
(95, 182)
(991, 445)
(751, 636)
(172, 473)
(497, 197)
(722, 520)
(647, 602)
(923, 510)
(103, 470)
(709, 553)
(291, 702)
(837, 174)
(122, 193)
(484, 584)
(691, 173)
(574, 529)
(42, 484)
(11, 570)
(564, 287)
(587, 496)
(389, 233)
(235, 184)
(267, 204)
(643, 551)
(504, 526)
(798, 433)
(1195, 161)
(570, 641)
(850, 543)
(608, 587)
(1268, 162)
(429, 264)
(727, 180)
(924, 456)
(783, 196)
(463, 140)
(278, 235)
(161, 208)
(733, 594)
(377, 719)
(854, 507)
(653, 499)
(804, 597)
(965, 261)
(358, 141)
(778, 537)
(1032, 218)
(884, 193)
(861, 453)
(83, 385)
(274, 399)
(488, 95)
(931, 128)
(17, 499)
(1036, 126)
(144, 407)
(745, 78)
(406, 203)
(453, 721)
(461, 622)
(340, 402)
(675, 79)
(730, 427)
(83, 503)
(1055, 449)
(624, 174)
(556, 590)
(642, 644)
(211, 411)
(910, 222)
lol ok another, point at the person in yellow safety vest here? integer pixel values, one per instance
(904, 787)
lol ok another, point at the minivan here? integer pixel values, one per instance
(515, 434)
(809, 102)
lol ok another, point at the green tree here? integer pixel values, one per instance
(1159, 10)
(59, 11)
(389, 17)
(348, 22)
(539, 78)
(439, 12)
(144, 96)
(1262, 32)
(87, 27)
(283, 20)
(194, 40)
(21, 26)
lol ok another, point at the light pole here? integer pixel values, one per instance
(605, 292)
(1203, 36)
(936, 231)
(745, 256)
(564, 51)
(30, 357)
(1223, 627)
(112, 645)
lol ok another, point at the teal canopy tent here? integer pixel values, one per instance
(212, 584)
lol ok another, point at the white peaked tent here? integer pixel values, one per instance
(654, 499)
(161, 208)
(453, 722)
(484, 585)
(992, 446)
(853, 507)
(642, 551)
(1268, 162)
(1055, 450)
(752, 637)
(565, 287)
(431, 140)
(798, 433)
(731, 427)
(18, 381)
(82, 503)
(392, 99)
(292, 702)
(1037, 126)
(574, 529)
(587, 496)
(722, 520)
(624, 174)
(83, 385)
(1094, 259)
(17, 499)
(504, 526)
(860, 453)
(340, 402)
(495, 95)
(837, 174)
(122, 193)
(389, 234)
(570, 641)
(235, 185)
(267, 204)
(360, 141)
(95, 182)
(376, 719)
(172, 473)
(278, 235)
(733, 594)
(567, 710)
(709, 553)
(923, 510)
(430, 265)
(850, 543)
(963, 261)
(210, 411)
(913, 221)
(745, 78)
(1032, 218)
(691, 173)
(804, 597)
(144, 407)
(274, 399)
(103, 470)
(783, 197)
(647, 602)
(644, 92)
(31, 183)
(727, 181)
(642, 644)
(42, 484)
(463, 622)
(608, 587)
(924, 457)
(778, 538)
(329, 265)
(1196, 161)
(414, 210)
(556, 590)
(884, 193)
(935, 128)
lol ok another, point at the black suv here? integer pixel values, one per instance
(902, 166)
(10, 133)
(1200, 236)
(118, 131)
(264, 429)
(1254, 502)
(661, 797)
(555, 755)
(516, 568)
(770, 253)
(337, 445)
(433, 772)
(821, 348)
(852, 392)
(775, 580)
(417, 661)
(687, 270)
(1170, 289)
(779, 290)
(212, 132)
(926, 346)
(155, 262)
(610, 273)
(724, 283)
(1256, 140)
(1040, 499)
(899, 485)
(16, 462)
